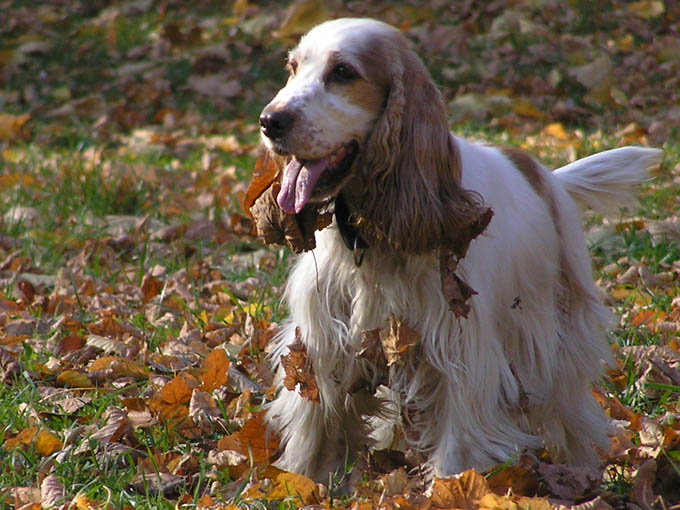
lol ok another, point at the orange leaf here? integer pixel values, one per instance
(458, 492)
(23, 438)
(13, 126)
(215, 369)
(264, 174)
(47, 443)
(253, 439)
(286, 485)
(73, 379)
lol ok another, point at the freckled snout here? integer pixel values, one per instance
(276, 124)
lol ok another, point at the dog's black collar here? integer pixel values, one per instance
(348, 231)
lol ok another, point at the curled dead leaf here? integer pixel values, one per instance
(299, 371)
(397, 339)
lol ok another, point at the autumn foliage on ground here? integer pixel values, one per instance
(136, 306)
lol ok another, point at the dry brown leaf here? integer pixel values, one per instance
(113, 367)
(397, 339)
(284, 485)
(301, 16)
(13, 127)
(51, 491)
(215, 370)
(299, 371)
(73, 379)
(254, 439)
(569, 483)
(151, 287)
(520, 480)
(461, 492)
(82, 502)
(455, 290)
(202, 407)
(265, 173)
(643, 483)
(9, 367)
(23, 438)
(47, 443)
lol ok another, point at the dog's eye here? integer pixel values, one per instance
(343, 72)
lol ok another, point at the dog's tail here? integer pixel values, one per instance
(608, 180)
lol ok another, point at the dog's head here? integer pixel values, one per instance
(360, 114)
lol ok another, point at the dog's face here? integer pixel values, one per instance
(321, 119)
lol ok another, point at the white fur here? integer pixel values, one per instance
(606, 181)
(536, 325)
(464, 383)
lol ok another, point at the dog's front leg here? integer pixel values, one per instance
(314, 434)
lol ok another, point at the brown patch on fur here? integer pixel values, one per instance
(535, 175)
(530, 168)
(367, 95)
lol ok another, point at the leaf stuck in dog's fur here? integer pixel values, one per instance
(456, 291)
(264, 174)
(397, 339)
(275, 226)
(299, 371)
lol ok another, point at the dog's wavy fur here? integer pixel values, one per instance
(516, 372)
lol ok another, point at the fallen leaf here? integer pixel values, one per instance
(285, 485)
(215, 370)
(460, 492)
(254, 439)
(265, 172)
(73, 379)
(301, 16)
(13, 127)
(299, 371)
(51, 491)
(151, 287)
(646, 9)
(47, 443)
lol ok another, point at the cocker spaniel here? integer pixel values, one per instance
(453, 279)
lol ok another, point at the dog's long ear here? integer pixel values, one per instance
(413, 167)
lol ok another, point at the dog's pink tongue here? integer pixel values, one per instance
(298, 183)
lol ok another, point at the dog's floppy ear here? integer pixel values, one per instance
(413, 167)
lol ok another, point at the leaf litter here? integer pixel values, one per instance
(143, 324)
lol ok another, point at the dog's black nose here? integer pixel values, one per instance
(276, 124)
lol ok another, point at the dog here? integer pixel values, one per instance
(477, 251)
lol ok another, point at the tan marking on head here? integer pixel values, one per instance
(367, 95)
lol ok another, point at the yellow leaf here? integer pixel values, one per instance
(23, 438)
(647, 9)
(13, 127)
(119, 367)
(292, 484)
(82, 502)
(301, 16)
(47, 443)
(73, 379)
(556, 130)
(625, 43)
(524, 108)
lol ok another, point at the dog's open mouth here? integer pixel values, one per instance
(302, 177)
